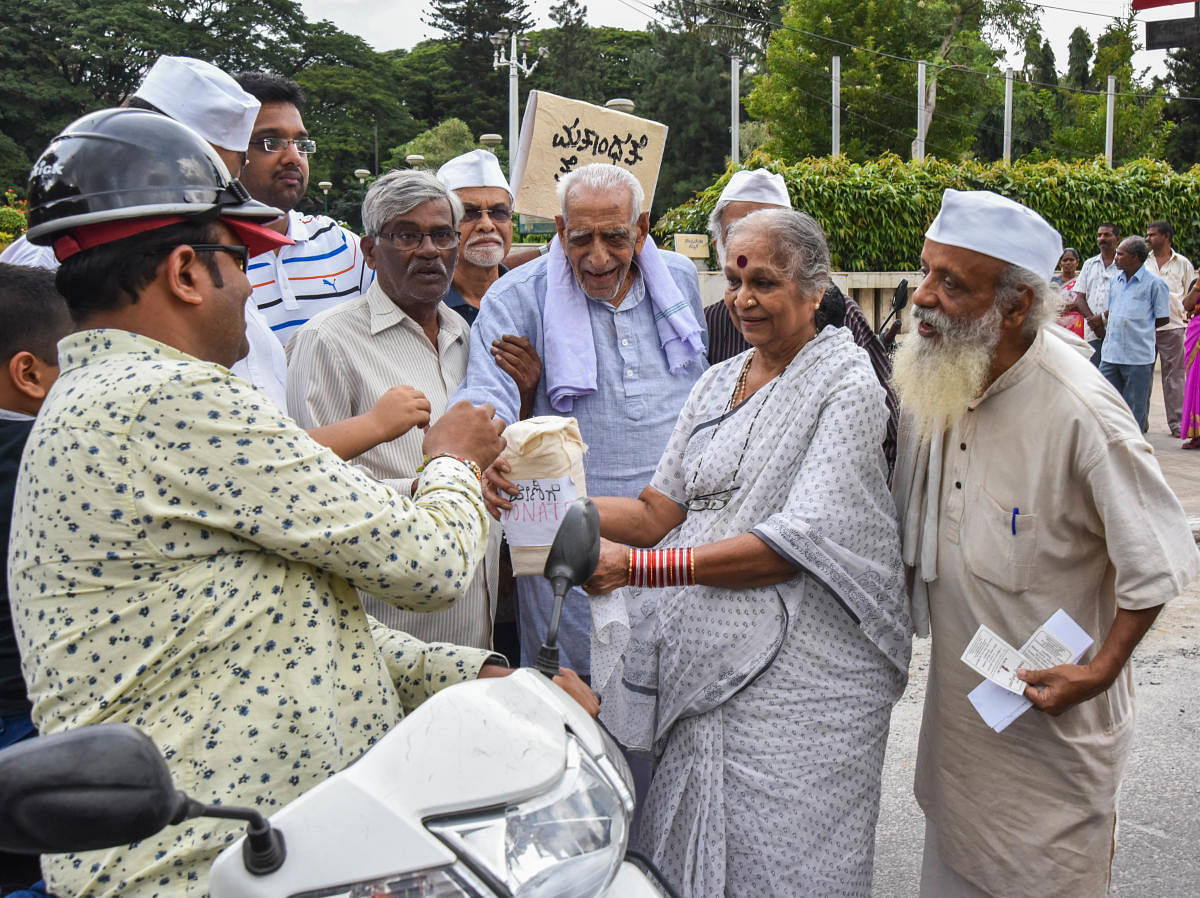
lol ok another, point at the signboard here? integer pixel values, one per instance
(694, 246)
(559, 135)
(1168, 33)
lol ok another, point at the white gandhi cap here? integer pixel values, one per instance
(477, 168)
(756, 186)
(996, 226)
(198, 94)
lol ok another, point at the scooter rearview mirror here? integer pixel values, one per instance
(900, 297)
(94, 787)
(572, 559)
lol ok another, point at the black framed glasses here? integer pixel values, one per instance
(496, 213)
(304, 146)
(441, 238)
(241, 254)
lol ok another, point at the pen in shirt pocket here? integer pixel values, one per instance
(1016, 511)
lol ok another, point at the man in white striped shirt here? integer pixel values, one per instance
(325, 266)
(399, 332)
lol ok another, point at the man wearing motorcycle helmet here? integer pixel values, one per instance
(183, 556)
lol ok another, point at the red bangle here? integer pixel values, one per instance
(661, 567)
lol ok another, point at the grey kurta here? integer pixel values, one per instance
(1049, 498)
(773, 703)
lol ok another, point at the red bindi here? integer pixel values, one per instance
(741, 261)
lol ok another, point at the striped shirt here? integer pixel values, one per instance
(322, 270)
(339, 364)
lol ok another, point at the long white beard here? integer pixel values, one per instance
(487, 256)
(935, 378)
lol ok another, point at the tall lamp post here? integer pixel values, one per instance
(325, 185)
(515, 69)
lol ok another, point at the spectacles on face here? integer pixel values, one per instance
(499, 214)
(241, 254)
(304, 146)
(441, 238)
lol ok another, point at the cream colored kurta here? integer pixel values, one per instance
(339, 364)
(1030, 811)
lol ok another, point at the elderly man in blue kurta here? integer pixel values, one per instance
(620, 329)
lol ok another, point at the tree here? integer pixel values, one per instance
(438, 145)
(570, 63)
(1183, 80)
(1079, 59)
(878, 89)
(476, 93)
(685, 79)
(1139, 125)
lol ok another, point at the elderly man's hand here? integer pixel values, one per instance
(1096, 322)
(1057, 689)
(517, 358)
(613, 570)
(466, 431)
(497, 488)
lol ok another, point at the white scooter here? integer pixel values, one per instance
(501, 788)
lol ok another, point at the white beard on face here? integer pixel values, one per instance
(486, 256)
(936, 377)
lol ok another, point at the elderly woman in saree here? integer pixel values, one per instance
(770, 633)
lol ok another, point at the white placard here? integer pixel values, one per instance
(537, 510)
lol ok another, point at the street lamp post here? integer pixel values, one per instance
(414, 160)
(325, 185)
(515, 69)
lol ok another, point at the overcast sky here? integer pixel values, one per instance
(387, 26)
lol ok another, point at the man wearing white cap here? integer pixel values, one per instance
(486, 233)
(207, 100)
(1024, 486)
(749, 190)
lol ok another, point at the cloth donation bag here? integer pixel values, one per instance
(546, 455)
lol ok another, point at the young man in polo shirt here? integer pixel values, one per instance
(325, 265)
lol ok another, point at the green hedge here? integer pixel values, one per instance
(875, 213)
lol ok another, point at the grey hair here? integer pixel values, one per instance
(601, 176)
(797, 242)
(1008, 297)
(1137, 246)
(398, 192)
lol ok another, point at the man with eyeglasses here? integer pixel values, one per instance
(324, 266)
(398, 334)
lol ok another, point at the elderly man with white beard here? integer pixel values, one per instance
(1024, 486)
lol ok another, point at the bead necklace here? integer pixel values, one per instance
(718, 500)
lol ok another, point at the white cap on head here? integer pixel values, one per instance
(201, 96)
(996, 226)
(756, 186)
(477, 168)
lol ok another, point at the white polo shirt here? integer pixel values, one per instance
(322, 270)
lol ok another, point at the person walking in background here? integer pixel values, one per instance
(1190, 417)
(1178, 272)
(1138, 302)
(1091, 287)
